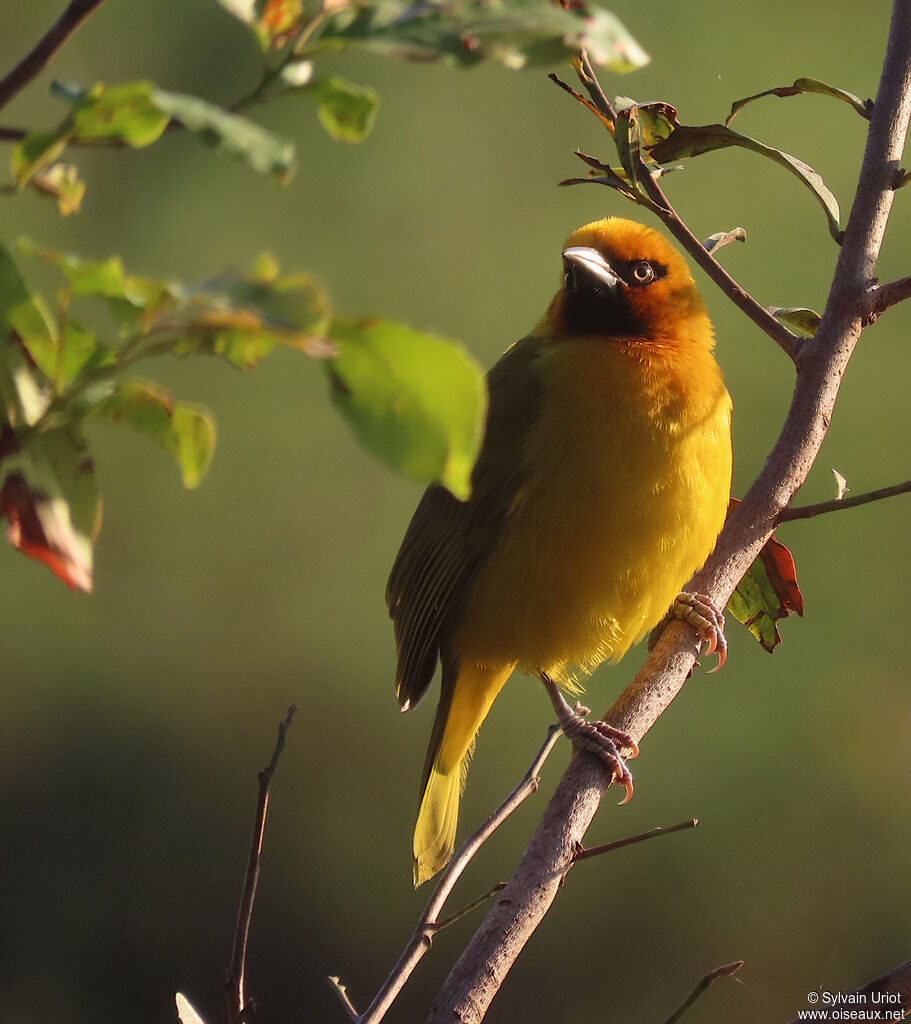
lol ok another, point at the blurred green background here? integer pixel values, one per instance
(134, 721)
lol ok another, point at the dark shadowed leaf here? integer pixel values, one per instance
(416, 401)
(689, 141)
(805, 85)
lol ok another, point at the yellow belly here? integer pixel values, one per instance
(627, 483)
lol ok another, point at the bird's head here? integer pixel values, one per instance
(622, 279)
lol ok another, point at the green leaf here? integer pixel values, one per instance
(689, 141)
(35, 153)
(806, 320)
(345, 110)
(126, 113)
(230, 133)
(50, 497)
(627, 137)
(185, 429)
(516, 33)
(416, 401)
(806, 85)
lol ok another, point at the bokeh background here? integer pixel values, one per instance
(134, 721)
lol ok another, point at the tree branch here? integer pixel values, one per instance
(234, 980)
(44, 50)
(809, 511)
(884, 296)
(821, 362)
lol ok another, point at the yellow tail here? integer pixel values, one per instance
(464, 703)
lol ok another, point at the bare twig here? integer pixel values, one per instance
(618, 844)
(821, 362)
(44, 50)
(836, 505)
(720, 972)
(884, 296)
(234, 980)
(341, 991)
(589, 79)
(428, 923)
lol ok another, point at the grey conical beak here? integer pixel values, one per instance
(585, 269)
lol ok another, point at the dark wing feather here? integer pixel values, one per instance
(447, 539)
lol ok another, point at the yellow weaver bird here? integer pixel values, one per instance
(601, 487)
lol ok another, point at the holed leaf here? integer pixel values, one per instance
(414, 400)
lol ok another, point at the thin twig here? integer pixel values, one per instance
(234, 980)
(428, 924)
(589, 79)
(341, 991)
(720, 972)
(836, 505)
(44, 50)
(618, 844)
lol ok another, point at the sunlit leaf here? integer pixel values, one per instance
(62, 183)
(767, 593)
(841, 485)
(806, 85)
(414, 400)
(125, 112)
(346, 111)
(689, 141)
(185, 429)
(185, 1011)
(515, 33)
(35, 153)
(806, 320)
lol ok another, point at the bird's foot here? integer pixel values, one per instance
(598, 737)
(701, 612)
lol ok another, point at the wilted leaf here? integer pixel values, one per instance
(50, 498)
(346, 111)
(722, 238)
(689, 141)
(767, 593)
(515, 33)
(805, 85)
(416, 401)
(841, 485)
(185, 429)
(230, 133)
(806, 320)
(62, 183)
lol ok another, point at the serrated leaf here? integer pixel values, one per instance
(767, 593)
(515, 33)
(805, 85)
(416, 401)
(346, 111)
(50, 498)
(185, 429)
(690, 141)
(232, 134)
(806, 320)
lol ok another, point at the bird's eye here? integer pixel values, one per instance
(642, 272)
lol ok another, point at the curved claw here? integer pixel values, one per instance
(625, 780)
(701, 612)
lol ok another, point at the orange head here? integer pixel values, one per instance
(622, 279)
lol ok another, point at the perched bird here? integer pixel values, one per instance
(601, 487)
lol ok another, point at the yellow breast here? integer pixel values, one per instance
(627, 478)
